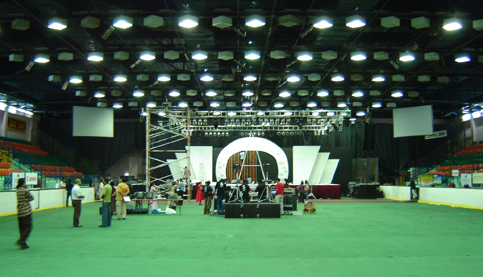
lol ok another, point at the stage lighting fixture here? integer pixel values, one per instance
(206, 78)
(293, 78)
(138, 93)
(376, 104)
(247, 104)
(397, 94)
(174, 93)
(188, 21)
(151, 104)
(99, 94)
(117, 105)
(452, 24)
(214, 104)
(361, 113)
(355, 21)
(304, 56)
(75, 79)
(211, 93)
(285, 94)
(462, 58)
(57, 23)
(311, 105)
(323, 22)
(378, 78)
(255, 21)
(199, 55)
(120, 78)
(122, 22)
(357, 93)
(278, 105)
(182, 104)
(147, 56)
(41, 58)
(406, 56)
(164, 78)
(358, 56)
(322, 93)
(250, 78)
(252, 55)
(337, 78)
(247, 93)
(95, 56)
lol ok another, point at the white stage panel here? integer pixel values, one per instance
(183, 161)
(202, 155)
(319, 167)
(175, 168)
(303, 161)
(329, 171)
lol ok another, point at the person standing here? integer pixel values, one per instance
(106, 204)
(220, 190)
(207, 191)
(181, 187)
(24, 212)
(68, 188)
(261, 189)
(103, 182)
(308, 190)
(245, 191)
(121, 205)
(154, 204)
(279, 196)
(302, 195)
(77, 197)
(199, 193)
(62, 184)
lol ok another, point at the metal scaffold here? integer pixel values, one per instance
(166, 130)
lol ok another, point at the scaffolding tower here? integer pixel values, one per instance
(166, 128)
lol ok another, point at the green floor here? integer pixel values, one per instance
(342, 239)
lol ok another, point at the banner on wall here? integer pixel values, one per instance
(477, 178)
(5, 156)
(437, 179)
(31, 178)
(425, 180)
(15, 177)
(466, 180)
(455, 172)
(16, 125)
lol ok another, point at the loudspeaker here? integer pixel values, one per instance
(369, 137)
(252, 210)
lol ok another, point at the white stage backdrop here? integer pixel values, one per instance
(329, 171)
(304, 158)
(202, 155)
(320, 162)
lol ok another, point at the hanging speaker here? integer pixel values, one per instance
(369, 137)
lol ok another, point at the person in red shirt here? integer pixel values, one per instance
(279, 196)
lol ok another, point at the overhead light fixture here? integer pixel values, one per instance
(378, 78)
(216, 113)
(397, 93)
(117, 105)
(247, 93)
(188, 21)
(199, 55)
(462, 58)
(323, 22)
(452, 24)
(42, 58)
(278, 105)
(75, 79)
(120, 78)
(182, 104)
(147, 55)
(99, 94)
(406, 56)
(174, 93)
(293, 78)
(246, 104)
(355, 21)
(357, 93)
(311, 105)
(122, 22)
(465, 117)
(250, 78)
(337, 78)
(151, 104)
(322, 93)
(476, 114)
(332, 113)
(358, 56)
(376, 104)
(361, 113)
(214, 104)
(284, 94)
(304, 56)
(211, 93)
(339, 105)
(161, 113)
(206, 78)
(57, 23)
(287, 113)
(252, 55)
(222, 22)
(138, 93)
(164, 78)
(12, 109)
(95, 56)
(315, 113)
(255, 21)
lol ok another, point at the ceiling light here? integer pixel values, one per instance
(161, 113)
(188, 21)
(406, 57)
(340, 105)
(361, 113)
(117, 105)
(153, 21)
(95, 56)
(182, 104)
(247, 93)
(174, 93)
(164, 78)
(452, 24)
(147, 55)
(376, 104)
(255, 21)
(337, 78)
(357, 93)
(252, 55)
(211, 93)
(151, 104)
(476, 114)
(99, 94)
(465, 117)
(250, 78)
(75, 79)
(355, 21)
(122, 22)
(358, 56)
(285, 94)
(278, 105)
(41, 58)
(322, 93)
(216, 113)
(231, 113)
(221, 22)
(311, 105)
(199, 55)
(214, 104)
(323, 22)
(304, 56)
(138, 93)
(352, 119)
(315, 113)
(462, 58)
(121, 55)
(293, 78)
(120, 78)
(332, 113)
(287, 113)
(57, 23)
(246, 104)
(378, 78)
(206, 78)
(397, 94)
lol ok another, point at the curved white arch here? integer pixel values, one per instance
(252, 144)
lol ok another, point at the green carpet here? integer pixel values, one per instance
(341, 239)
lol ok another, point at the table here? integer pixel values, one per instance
(149, 201)
(324, 191)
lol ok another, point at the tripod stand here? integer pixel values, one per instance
(311, 194)
(268, 195)
(234, 196)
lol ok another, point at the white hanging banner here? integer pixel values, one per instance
(15, 177)
(31, 178)
(466, 180)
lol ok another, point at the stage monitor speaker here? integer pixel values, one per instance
(369, 137)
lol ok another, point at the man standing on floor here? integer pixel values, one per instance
(24, 213)
(207, 191)
(220, 190)
(279, 196)
(121, 205)
(77, 197)
(106, 204)
(68, 188)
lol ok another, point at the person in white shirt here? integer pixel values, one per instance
(62, 184)
(77, 197)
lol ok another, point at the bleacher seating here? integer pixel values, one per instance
(468, 160)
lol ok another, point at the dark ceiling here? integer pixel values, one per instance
(451, 86)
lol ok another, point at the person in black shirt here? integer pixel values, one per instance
(301, 192)
(261, 189)
(244, 191)
(220, 190)
(68, 188)
(208, 192)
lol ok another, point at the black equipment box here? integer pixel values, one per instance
(366, 191)
(252, 210)
(289, 202)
